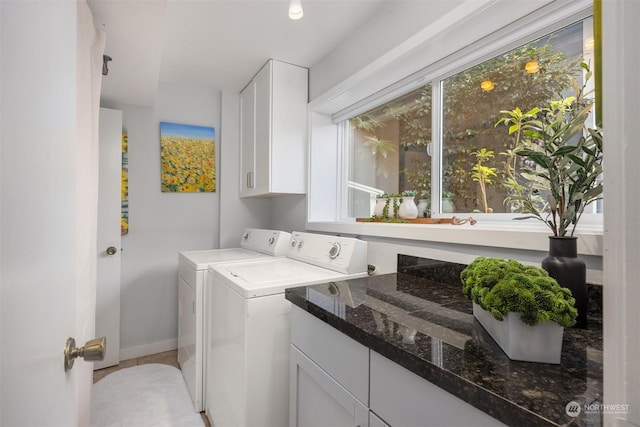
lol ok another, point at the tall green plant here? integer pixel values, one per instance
(483, 174)
(565, 157)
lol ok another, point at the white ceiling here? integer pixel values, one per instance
(218, 44)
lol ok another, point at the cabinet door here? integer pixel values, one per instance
(403, 398)
(247, 139)
(263, 119)
(317, 400)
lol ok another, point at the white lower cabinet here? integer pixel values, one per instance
(338, 382)
(318, 400)
(402, 398)
(329, 376)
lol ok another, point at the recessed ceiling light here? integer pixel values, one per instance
(295, 10)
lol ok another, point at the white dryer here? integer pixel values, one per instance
(248, 326)
(192, 269)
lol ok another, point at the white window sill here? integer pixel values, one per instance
(501, 234)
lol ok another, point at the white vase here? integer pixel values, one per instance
(540, 343)
(379, 207)
(423, 206)
(447, 205)
(408, 208)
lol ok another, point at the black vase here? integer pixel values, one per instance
(570, 271)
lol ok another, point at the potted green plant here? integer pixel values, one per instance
(408, 208)
(521, 307)
(392, 202)
(565, 163)
(447, 202)
(381, 201)
(423, 204)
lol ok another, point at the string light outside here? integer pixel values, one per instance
(589, 43)
(487, 85)
(532, 67)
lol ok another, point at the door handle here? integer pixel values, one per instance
(111, 250)
(93, 350)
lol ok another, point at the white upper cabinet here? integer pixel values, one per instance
(273, 131)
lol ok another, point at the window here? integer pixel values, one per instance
(389, 149)
(459, 159)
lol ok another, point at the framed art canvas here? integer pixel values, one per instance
(187, 158)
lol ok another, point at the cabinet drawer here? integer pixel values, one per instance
(344, 359)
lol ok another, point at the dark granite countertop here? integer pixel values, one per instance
(420, 319)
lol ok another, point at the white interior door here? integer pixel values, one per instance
(48, 208)
(108, 242)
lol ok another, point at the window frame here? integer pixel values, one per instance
(497, 229)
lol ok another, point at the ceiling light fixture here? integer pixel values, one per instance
(295, 10)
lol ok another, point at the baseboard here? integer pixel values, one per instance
(146, 350)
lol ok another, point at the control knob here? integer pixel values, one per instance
(334, 251)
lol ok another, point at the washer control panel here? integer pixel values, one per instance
(343, 254)
(271, 242)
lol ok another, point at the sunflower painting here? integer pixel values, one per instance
(187, 158)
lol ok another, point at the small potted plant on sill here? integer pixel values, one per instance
(565, 163)
(392, 203)
(523, 309)
(447, 202)
(381, 200)
(423, 204)
(408, 208)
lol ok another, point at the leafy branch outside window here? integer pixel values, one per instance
(566, 157)
(483, 174)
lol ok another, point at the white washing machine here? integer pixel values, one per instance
(192, 270)
(248, 326)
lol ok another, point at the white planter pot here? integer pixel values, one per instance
(408, 208)
(423, 206)
(448, 206)
(541, 343)
(379, 207)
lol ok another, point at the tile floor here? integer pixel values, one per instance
(167, 358)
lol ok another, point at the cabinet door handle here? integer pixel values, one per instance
(250, 179)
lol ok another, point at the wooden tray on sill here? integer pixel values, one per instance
(412, 221)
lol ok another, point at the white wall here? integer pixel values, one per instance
(621, 35)
(394, 24)
(289, 213)
(161, 224)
